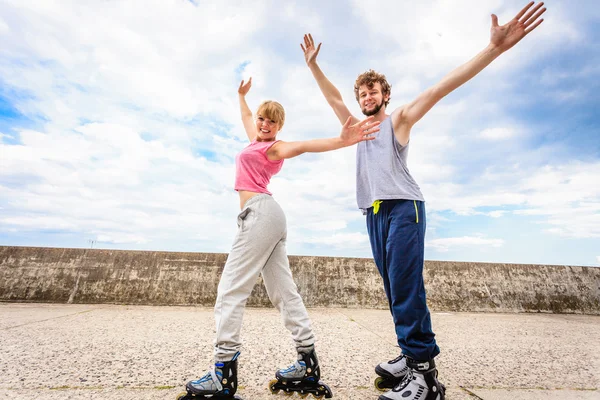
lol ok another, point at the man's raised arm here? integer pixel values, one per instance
(502, 38)
(331, 93)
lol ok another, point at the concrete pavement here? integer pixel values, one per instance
(117, 352)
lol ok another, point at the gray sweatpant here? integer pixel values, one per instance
(259, 247)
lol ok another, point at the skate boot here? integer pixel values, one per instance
(302, 377)
(420, 383)
(218, 383)
(390, 373)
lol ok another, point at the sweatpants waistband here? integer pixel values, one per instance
(257, 198)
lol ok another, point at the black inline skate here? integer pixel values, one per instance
(218, 383)
(420, 382)
(302, 377)
(390, 373)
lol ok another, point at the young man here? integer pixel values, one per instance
(394, 205)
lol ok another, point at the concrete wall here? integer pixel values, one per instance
(169, 278)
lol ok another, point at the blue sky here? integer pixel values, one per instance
(119, 124)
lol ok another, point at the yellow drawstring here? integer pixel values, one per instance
(416, 210)
(376, 204)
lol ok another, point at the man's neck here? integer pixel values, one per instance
(381, 115)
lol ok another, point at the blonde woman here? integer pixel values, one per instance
(260, 248)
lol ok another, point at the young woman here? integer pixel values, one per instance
(259, 248)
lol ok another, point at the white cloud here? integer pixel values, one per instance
(576, 221)
(329, 225)
(4, 29)
(134, 78)
(135, 118)
(120, 239)
(497, 133)
(39, 222)
(443, 34)
(496, 214)
(562, 198)
(458, 243)
(552, 77)
(149, 56)
(449, 35)
(341, 240)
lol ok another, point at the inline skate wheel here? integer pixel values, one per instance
(272, 386)
(378, 382)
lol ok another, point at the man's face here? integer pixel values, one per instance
(371, 100)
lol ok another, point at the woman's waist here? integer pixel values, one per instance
(247, 195)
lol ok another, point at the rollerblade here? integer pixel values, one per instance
(218, 383)
(301, 377)
(390, 373)
(420, 383)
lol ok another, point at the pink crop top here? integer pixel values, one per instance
(253, 170)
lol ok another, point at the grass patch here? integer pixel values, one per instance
(66, 387)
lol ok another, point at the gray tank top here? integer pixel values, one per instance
(382, 171)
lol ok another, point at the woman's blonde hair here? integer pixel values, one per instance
(272, 110)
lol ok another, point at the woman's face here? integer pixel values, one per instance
(266, 128)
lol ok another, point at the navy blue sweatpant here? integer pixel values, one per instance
(397, 235)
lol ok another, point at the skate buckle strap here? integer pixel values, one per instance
(215, 378)
(376, 205)
(296, 366)
(395, 360)
(422, 366)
